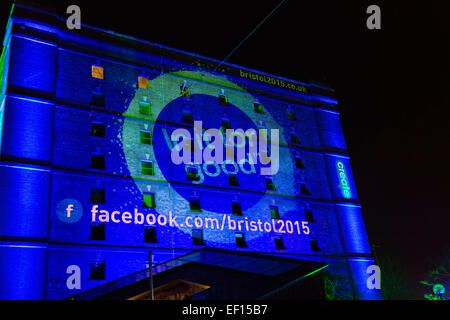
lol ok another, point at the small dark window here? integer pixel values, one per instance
(97, 99)
(97, 231)
(279, 242)
(192, 173)
(98, 161)
(250, 140)
(291, 115)
(97, 195)
(299, 163)
(145, 108)
(146, 137)
(147, 168)
(294, 138)
(270, 186)
(97, 129)
(192, 145)
(314, 245)
(240, 240)
(188, 117)
(226, 124)
(258, 108)
(233, 180)
(197, 237)
(304, 190)
(194, 204)
(150, 235)
(309, 215)
(185, 91)
(149, 200)
(236, 208)
(223, 100)
(97, 271)
(274, 213)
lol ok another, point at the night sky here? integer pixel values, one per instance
(392, 85)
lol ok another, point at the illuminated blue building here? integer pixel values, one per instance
(87, 178)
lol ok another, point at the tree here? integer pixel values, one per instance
(394, 283)
(336, 285)
(438, 278)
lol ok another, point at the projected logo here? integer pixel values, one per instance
(69, 211)
(216, 184)
(344, 184)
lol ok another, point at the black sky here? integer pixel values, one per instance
(392, 85)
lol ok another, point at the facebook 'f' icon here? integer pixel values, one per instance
(69, 210)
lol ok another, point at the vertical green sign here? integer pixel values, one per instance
(344, 185)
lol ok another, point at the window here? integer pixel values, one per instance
(194, 204)
(291, 115)
(97, 129)
(185, 91)
(240, 240)
(258, 108)
(274, 213)
(150, 235)
(314, 245)
(223, 99)
(98, 161)
(309, 215)
(236, 208)
(97, 231)
(97, 271)
(97, 72)
(197, 237)
(226, 124)
(147, 168)
(251, 140)
(294, 138)
(233, 180)
(143, 83)
(146, 137)
(299, 163)
(270, 186)
(145, 108)
(187, 117)
(261, 125)
(97, 98)
(279, 242)
(148, 199)
(190, 144)
(97, 195)
(192, 173)
(304, 190)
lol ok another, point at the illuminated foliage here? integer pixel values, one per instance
(437, 280)
(336, 287)
(394, 283)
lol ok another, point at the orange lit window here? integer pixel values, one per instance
(143, 83)
(97, 72)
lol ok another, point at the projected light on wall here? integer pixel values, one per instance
(165, 114)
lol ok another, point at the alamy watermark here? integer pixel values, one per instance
(220, 148)
(74, 20)
(374, 20)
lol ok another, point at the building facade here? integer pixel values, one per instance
(88, 183)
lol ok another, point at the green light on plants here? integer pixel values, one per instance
(438, 289)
